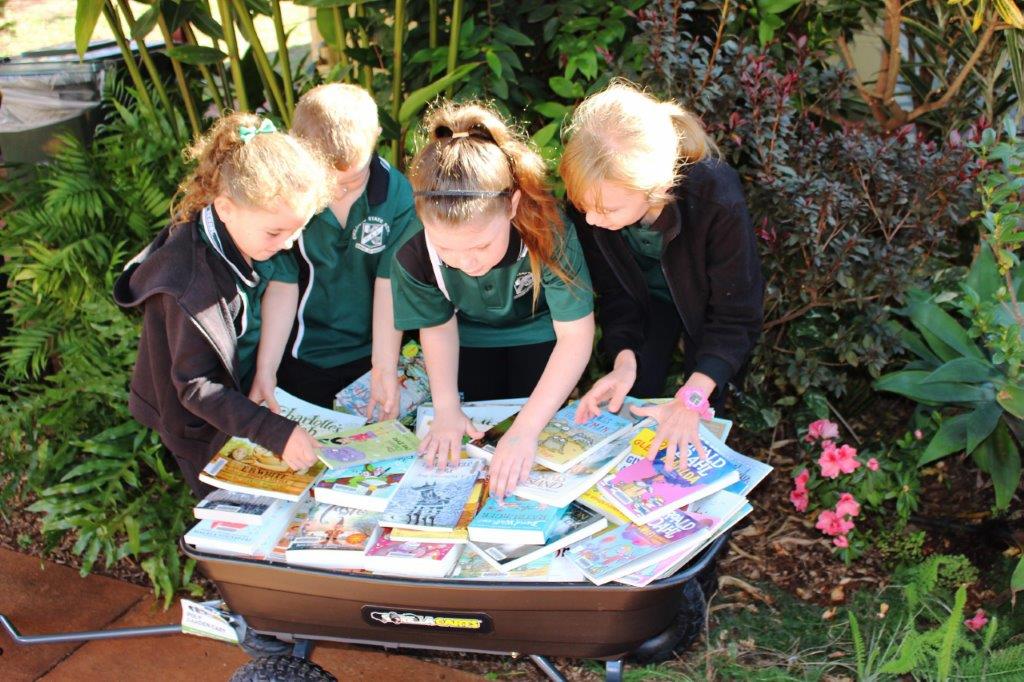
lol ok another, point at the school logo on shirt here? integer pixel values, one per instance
(523, 284)
(370, 234)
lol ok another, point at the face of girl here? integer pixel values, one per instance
(473, 247)
(259, 233)
(617, 208)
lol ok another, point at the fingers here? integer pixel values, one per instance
(272, 404)
(371, 406)
(655, 445)
(390, 408)
(643, 410)
(472, 431)
(618, 396)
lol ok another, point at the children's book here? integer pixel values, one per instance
(365, 486)
(644, 489)
(414, 388)
(577, 523)
(514, 521)
(627, 549)
(332, 537)
(408, 558)
(483, 413)
(751, 471)
(594, 500)
(559, 489)
(460, 534)
(242, 466)
(278, 551)
(550, 568)
(318, 421)
(431, 499)
(225, 505)
(369, 443)
(240, 539)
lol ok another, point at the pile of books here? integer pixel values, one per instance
(594, 507)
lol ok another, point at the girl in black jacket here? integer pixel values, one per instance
(668, 240)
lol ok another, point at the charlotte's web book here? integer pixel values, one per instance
(227, 537)
(431, 499)
(627, 549)
(318, 421)
(644, 489)
(369, 443)
(413, 386)
(408, 558)
(332, 537)
(514, 521)
(365, 486)
(243, 466)
(225, 505)
(577, 523)
(460, 534)
(483, 413)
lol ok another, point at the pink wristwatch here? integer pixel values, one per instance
(695, 399)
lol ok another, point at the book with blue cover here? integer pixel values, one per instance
(515, 521)
(751, 471)
(365, 486)
(563, 442)
(431, 499)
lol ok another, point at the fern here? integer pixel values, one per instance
(950, 632)
(858, 645)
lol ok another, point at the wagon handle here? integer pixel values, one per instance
(85, 635)
(709, 555)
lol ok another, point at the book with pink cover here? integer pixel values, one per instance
(409, 558)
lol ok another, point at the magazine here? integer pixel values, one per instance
(243, 466)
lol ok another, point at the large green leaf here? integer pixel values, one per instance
(998, 455)
(419, 98)
(929, 316)
(911, 340)
(1011, 397)
(983, 277)
(910, 383)
(196, 54)
(86, 15)
(951, 437)
(963, 370)
(1017, 581)
(145, 23)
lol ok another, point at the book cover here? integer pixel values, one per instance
(414, 388)
(243, 466)
(408, 558)
(483, 413)
(364, 486)
(751, 471)
(577, 523)
(594, 500)
(318, 421)
(460, 534)
(240, 539)
(332, 537)
(369, 443)
(644, 489)
(563, 442)
(550, 568)
(626, 549)
(514, 520)
(431, 499)
(225, 505)
(277, 551)
(718, 429)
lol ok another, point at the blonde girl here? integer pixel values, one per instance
(667, 236)
(199, 285)
(495, 283)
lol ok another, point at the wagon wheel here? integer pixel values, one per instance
(282, 669)
(685, 629)
(258, 646)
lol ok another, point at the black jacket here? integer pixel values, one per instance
(186, 384)
(709, 257)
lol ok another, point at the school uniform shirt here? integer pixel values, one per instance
(337, 265)
(497, 308)
(645, 245)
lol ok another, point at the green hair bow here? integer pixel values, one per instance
(246, 133)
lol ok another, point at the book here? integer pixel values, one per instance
(594, 500)
(368, 443)
(318, 421)
(751, 471)
(364, 486)
(225, 505)
(242, 466)
(332, 537)
(514, 521)
(559, 489)
(409, 558)
(459, 534)
(550, 568)
(431, 499)
(644, 489)
(483, 413)
(629, 548)
(413, 385)
(240, 539)
(576, 524)
(277, 552)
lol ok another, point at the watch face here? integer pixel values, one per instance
(694, 399)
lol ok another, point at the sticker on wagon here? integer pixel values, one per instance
(206, 620)
(385, 617)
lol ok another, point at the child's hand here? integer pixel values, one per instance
(678, 425)
(612, 388)
(263, 386)
(443, 443)
(511, 463)
(383, 393)
(300, 450)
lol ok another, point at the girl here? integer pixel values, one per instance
(199, 286)
(668, 239)
(496, 284)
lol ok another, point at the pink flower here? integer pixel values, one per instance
(798, 496)
(918, 434)
(834, 461)
(847, 506)
(841, 542)
(873, 464)
(833, 524)
(821, 429)
(801, 479)
(977, 622)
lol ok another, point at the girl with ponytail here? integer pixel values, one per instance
(200, 283)
(666, 233)
(495, 282)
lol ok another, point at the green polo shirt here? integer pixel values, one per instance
(338, 266)
(645, 243)
(495, 309)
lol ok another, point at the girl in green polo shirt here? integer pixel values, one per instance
(495, 283)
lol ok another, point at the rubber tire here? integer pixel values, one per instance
(259, 646)
(282, 669)
(682, 633)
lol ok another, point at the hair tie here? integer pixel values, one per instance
(246, 133)
(482, 193)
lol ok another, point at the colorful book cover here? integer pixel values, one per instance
(364, 486)
(318, 421)
(277, 552)
(626, 549)
(563, 442)
(332, 537)
(228, 537)
(550, 568)
(515, 520)
(593, 499)
(419, 559)
(226, 505)
(414, 388)
(369, 443)
(243, 466)
(431, 499)
(644, 489)
(460, 534)
(751, 471)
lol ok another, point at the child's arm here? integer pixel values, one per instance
(515, 452)
(279, 306)
(443, 443)
(387, 344)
